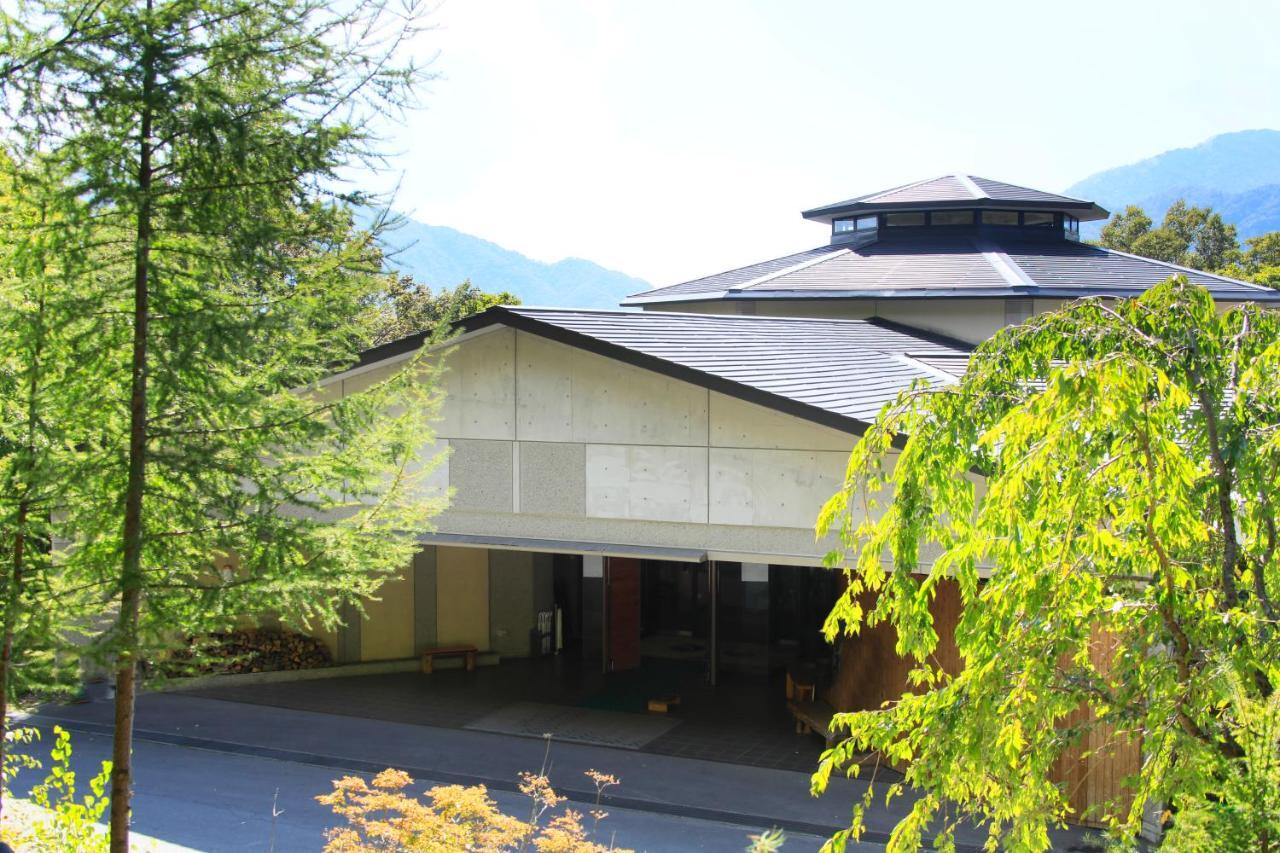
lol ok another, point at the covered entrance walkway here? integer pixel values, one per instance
(586, 645)
(741, 720)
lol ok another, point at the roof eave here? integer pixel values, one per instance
(1085, 211)
(1014, 292)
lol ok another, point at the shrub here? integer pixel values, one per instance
(381, 816)
(54, 821)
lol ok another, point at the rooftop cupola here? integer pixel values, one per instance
(956, 205)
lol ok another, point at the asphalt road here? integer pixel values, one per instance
(216, 801)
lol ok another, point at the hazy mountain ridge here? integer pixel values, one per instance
(1237, 174)
(442, 257)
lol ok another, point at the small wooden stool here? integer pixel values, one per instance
(662, 704)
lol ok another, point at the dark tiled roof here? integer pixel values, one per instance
(941, 266)
(836, 372)
(957, 190)
(754, 272)
(1000, 191)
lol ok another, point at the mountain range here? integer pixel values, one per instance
(443, 257)
(1237, 174)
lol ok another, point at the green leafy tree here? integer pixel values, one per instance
(1123, 229)
(1184, 221)
(196, 147)
(406, 307)
(1209, 243)
(1195, 237)
(39, 395)
(1263, 251)
(1161, 244)
(1108, 470)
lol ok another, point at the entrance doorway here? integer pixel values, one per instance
(622, 613)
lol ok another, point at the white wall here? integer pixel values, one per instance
(550, 441)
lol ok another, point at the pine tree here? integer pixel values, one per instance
(203, 141)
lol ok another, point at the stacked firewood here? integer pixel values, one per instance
(249, 650)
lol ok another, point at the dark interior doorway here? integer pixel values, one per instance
(622, 613)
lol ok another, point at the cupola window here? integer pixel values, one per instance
(1039, 220)
(859, 223)
(999, 217)
(951, 217)
(1071, 226)
(903, 220)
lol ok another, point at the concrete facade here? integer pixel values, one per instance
(548, 442)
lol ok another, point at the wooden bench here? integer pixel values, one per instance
(467, 652)
(814, 717)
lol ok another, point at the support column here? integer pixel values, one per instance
(755, 600)
(593, 617)
(713, 634)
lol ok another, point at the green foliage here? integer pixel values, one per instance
(18, 760)
(1244, 814)
(769, 841)
(1263, 251)
(1123, 229)
(407, 307)
(201, 278)
(1195, 237)
(1161, 245)
(71, 823)
(1101, 487)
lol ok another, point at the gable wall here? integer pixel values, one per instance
(548, 441)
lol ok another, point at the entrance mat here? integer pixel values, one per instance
(575, 725)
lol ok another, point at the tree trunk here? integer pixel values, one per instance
(131, 580)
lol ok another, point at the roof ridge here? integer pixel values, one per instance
(1006, 266)
(968, 183)
(841, 250)
(911, 360)
(1025, 188)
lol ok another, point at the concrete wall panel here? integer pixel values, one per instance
(737, 423)
(567, 394)
(652, 483)
(774, 488)
(553, 478)
(480, 473)
(544, 403)
(480, 386)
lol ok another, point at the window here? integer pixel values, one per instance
(999, 217)
(951, 217)
(1071, 226)
(903, 220)
(860, 223)
(1040, 220)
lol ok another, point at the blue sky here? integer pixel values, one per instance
(673, 139)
